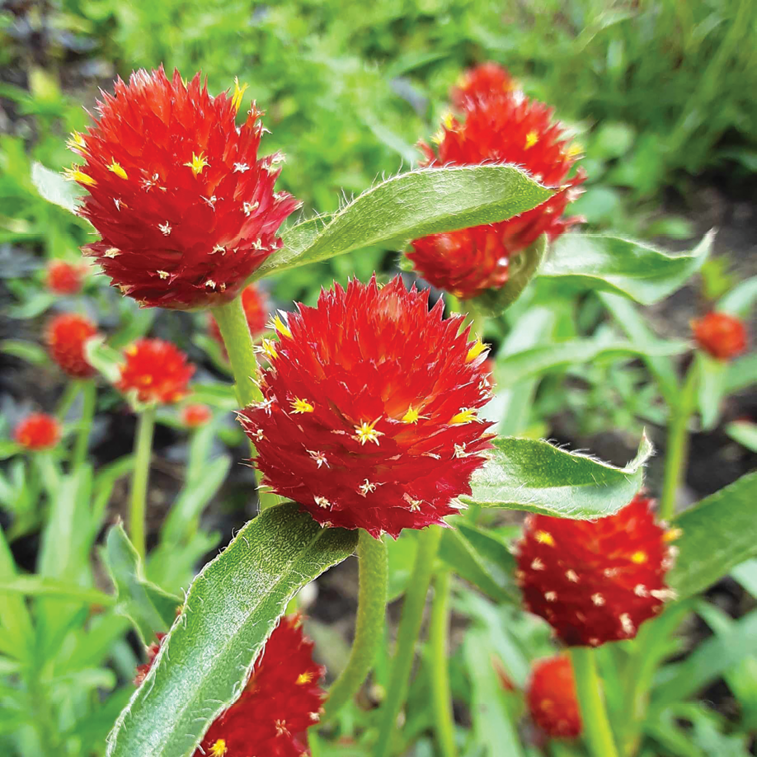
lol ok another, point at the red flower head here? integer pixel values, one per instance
(64, 278)
(499, 128)
(195, 416)
(255, 306)
(185, 209)
(37, 431)
(66, 336)
(155, 371)
(369, 411)
(281, 701)
(484, 80)
(595, 581)
(720, 335)
(552, 698)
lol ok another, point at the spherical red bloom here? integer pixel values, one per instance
(552, 698)
(484, 80)
(185, 209)
(155, 371)
(501, 128)
(720, 335)
(66, 336)
(368, 418)
(281, 701)
(194, 416)
(64, 278)
(255, 306)
(37, 431)
(595, 581)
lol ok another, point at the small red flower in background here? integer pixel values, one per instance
(38, 431)
(500, 127)
(720, 335)
(194, 416)
(369, 411)
(155, 371)
(64, 278)
(66, 336)
(552, 698)
(595, 581)
(281, 701)
(255, 306)
(185, 209)
(484, 80)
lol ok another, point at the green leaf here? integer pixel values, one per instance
(743, 432)
(55, 189)
(718, 534)
(229, 613)
(532, 475)
(149, 608)
(711, 390)
(28, 351)
(513, 368)
(622, 266)
(104, 359)
(38, 586)
(410, 206)
(740, 300)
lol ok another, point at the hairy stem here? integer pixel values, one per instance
(139, 480)
(89, 400)
(371, 609)
(444, 721)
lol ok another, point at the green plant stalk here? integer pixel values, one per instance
(596, 724)
(67, 399)
(371, 610)
(139, 479)
(407, 636)
(89, 401)
(676, 452)
(441, 694)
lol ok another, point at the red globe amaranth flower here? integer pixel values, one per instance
(255, 306)
(38, 431)
(66, 336)
(195, 416)
(369, 411)
(552, 698)
(720, 335)
(185, 209)
(155, 371)
(64, 278)
(501, 127)
(281, 701)
(595, 581)
(484, 80)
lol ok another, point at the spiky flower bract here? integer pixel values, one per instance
(64, 278)
(66, 336)
(281, 700)
(155, 371)
(499, 126)
(195, 415)
(595, 581)
(484, 80)
(255, 306)
(552, 698)
(369, 412)
(720, 335)
(37, 431)
(185, 208)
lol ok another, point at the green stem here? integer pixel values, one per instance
(407, 636)
(676, 451)
(89, 401)
(67, 399)
(371, 609)
(596, 724)
(441, 694)
(140, 477)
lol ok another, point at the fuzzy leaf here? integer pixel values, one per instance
(526, 474)
(622, 266)
(407, 207)
(55, 189)
(718, 534)
(230, 611)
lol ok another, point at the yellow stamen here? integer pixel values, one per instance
(475, 351)
(449, 121)
(76, 142)
(198, 163)
(466, 415)
(219, 748)
(278, 324)
(305, 678)
(639, 557)
(236, 100)
(75, 174)
(575, 150)
(268, 348)
(531, 139)
(411, 416)
(117, 169)
(438, 138)
(301, 406)
(543, 537)
(366, 432)
(672, 534)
